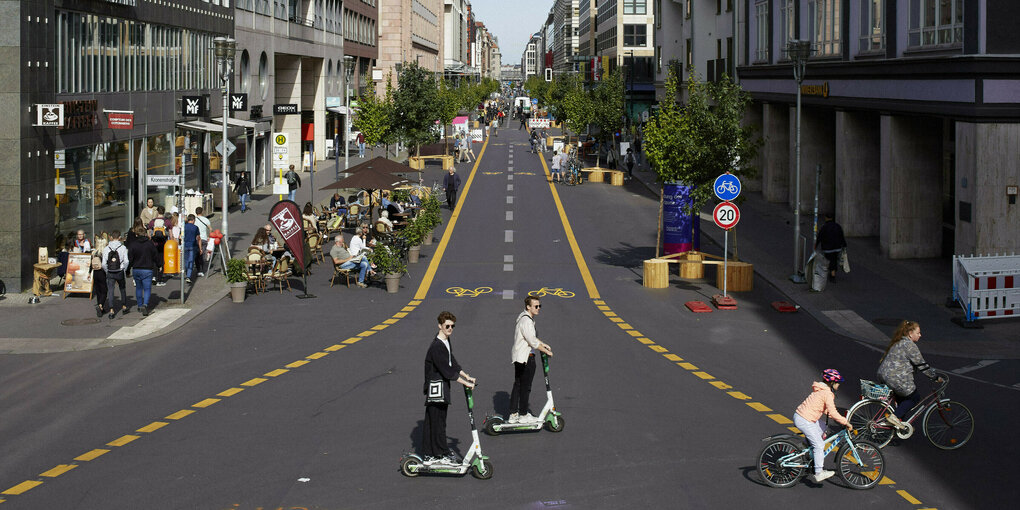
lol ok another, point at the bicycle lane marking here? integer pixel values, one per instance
(209, 401)
(701, 374)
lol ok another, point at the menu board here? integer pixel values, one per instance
(79, 274)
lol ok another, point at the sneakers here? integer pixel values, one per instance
(99, 311)
(529, 418)
(431, 460)
(145, 311)
(451, 458)
(188, 280)
(514, 418)
(201, 274)
(362, 285)
(824, 475)
(894, 421)
(113, 313)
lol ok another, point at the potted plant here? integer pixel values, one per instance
(413, 234)
(430, 216)
(387, 261)
(237, 277)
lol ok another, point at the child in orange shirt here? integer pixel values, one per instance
(808, 416)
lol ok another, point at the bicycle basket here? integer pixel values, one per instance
(870, 389)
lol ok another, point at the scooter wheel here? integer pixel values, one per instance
(558, 424)
(490, 426)
(410, 466)
(482, 475)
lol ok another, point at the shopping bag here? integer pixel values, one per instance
(844, 261)
(817, 271)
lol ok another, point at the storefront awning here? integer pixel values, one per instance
(342, 110)
(201, 125)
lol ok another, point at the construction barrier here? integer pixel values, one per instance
(987, 286)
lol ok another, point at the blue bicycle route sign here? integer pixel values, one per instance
(726, 187)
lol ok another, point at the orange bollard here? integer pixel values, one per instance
(171, 254)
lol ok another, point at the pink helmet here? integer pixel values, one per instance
(831, 375)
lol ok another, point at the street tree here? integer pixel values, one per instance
(448, 104)
(578, 107)
(608, 99)
(373, 118)
(415, 106)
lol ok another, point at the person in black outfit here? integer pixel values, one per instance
(142, 254)
(441, 367)
(451, 182)
(99, 283)
(830, 242)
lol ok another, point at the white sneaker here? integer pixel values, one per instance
(824, 475)
(529, 418)
(514, 418)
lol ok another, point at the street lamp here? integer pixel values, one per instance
(798, 52)
(348, 73)
(225, 47)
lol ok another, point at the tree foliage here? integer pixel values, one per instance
(608, 99)
(415, 106)
(578, 107)
(373, 118)
(694, 142)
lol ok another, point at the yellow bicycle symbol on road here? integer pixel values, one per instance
(471, 293)
(558, 292)
(492, 173)
(525, 173)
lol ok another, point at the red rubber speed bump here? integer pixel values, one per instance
(724, 302)
(784, 307)
(698, 307)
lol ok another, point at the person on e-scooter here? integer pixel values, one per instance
(441, 367)
(522, 354)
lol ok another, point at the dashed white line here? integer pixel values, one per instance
(508, 294)
(508, 236)
(508, 267)
(509, 187)
(509, 216)
(509, 177)
(508, 258)
(509, 200)
(977, 366)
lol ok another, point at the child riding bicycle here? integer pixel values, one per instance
(808, 416)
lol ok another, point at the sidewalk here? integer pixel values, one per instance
(869, 302)
(57, 324)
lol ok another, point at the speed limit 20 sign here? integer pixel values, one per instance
(726, 215)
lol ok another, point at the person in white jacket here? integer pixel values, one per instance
(522, 354)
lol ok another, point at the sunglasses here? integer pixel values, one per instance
(536, 306)
(449, 326)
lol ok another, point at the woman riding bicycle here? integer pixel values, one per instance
(808, 416)
(896, 369)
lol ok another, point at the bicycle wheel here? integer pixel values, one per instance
(769, 468)
(868, 419)
(948, 424)
(868, 472)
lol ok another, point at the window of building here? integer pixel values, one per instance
(935, 22)
(761, 36)
(245, 71)
(824, 24)
(634, 7)
(264, 76)
(788, 23)
(688, 55)
(872, 29)
(635, 35)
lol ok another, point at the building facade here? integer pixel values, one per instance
(911, 110)
(409, 31)
(696, 37)
(455, 34)
(118, 70)
(624, 38)
(565, 35)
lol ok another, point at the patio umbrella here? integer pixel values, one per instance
(369, 178)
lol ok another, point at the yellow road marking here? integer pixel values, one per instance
(207, 402)
(254, 382)
(400, 315)
(180, 414)
(407, 309)
(229, 392)
(317, 355)
(154, 426)
(795, 430)
(672, 357)
(276, 373)
(738, 395)
(59, 470)
(703, 375)
(380, 327)
(886, 481)
(758, 406)
(416, 302)
(21, 487)
(687, 366)
(645, 341)
(122, 440)
(334, 348)
(589, 283)
(297, 363)
(87, 456)
(437, 257)
(780, 419)
(390, 321)
(598, 302)
(658, 348)
(353, 340)
(604, 308)
(910, 499)
(721, 385)
(609, 314)
(634, 333)
(364, 334)
(616, 319)
(624, 325)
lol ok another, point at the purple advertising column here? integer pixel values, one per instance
(681, 232)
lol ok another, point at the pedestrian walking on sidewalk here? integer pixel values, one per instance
(243, 190)
(629, 161)
(115, 263)
(451, 182)
(99, 283)
(142, 254)
(361, 144)
(830, 243)
(522, 355)
(293, 182)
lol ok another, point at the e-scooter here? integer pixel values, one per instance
(549, 417)
(413, 464)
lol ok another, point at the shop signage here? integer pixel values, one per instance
(59, 159)
(191, 106)
(164, 180)
(49, 115)
(238, 102)
(280, 150)
(120, 120)
(285, 109)
(538, 123)
(815, 90)
(334, 101)
(80, 114)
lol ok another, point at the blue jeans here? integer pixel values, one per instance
(143, 286)
(244, 202)
(290, 196)
(189, 260)
(361, 150)
(361, 272)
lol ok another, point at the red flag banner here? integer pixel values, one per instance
(286, 217)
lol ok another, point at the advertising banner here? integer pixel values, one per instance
(286, 217)
(79, 274)
(681, 232)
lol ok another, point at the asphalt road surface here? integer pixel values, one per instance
(282, 403)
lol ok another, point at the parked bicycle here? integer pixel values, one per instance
(948, 424)
(784, 460)
(573, 171)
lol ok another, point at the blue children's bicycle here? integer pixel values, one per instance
(784, 460)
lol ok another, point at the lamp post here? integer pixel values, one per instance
(798, 52)
(348, 74)
(224, 50)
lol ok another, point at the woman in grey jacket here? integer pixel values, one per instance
(902, 358)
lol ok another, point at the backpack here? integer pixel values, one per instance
(113, 261)
(291, 179)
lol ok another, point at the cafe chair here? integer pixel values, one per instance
(281, 273)
(315, 247)
(346, 273)
(255, 264)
